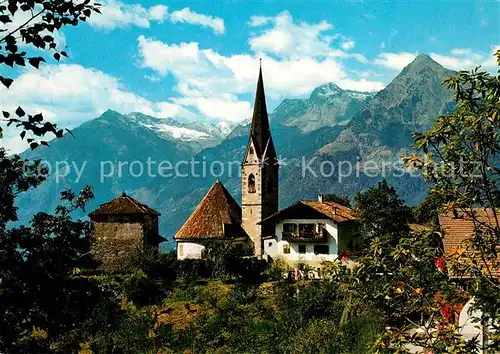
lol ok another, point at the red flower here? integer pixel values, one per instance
(440, 263)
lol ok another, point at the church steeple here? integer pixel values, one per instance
(260, 132)
(260, 121)
(260, 172)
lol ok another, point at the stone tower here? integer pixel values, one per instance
(259, 178)
(120, 228)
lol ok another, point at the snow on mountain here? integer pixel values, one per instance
(178, 132)
(171, 128)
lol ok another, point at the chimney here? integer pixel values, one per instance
(320, 198)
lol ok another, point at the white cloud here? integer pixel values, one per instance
(158, 13)
(289, 39)
(72, 94)
(454, 62)
(187, 16)
(227, 107)
(347, 45)
(116, 14)
(491, 59)
(205, 73)
(456, 59)
(396, 61)
(257, 21)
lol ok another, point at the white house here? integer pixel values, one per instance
(312, 232)
(216, 218)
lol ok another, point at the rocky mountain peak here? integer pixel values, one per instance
(326, 90)
(421, 63)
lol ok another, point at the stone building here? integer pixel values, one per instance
(120, 228)
(217, 217)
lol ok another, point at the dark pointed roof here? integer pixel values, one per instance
(260, 130)
(123, 205)
(218, 216)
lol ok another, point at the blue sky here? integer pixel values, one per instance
(200, 60)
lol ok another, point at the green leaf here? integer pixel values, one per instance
(6, 81)
(35, 61)
(20, 112)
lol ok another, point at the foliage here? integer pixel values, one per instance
(39, 289)
(43, 300)
(382, 213)
(416, 278)
(226, 261)
(428, 210)
(28, 27)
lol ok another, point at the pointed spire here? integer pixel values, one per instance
(260, 122)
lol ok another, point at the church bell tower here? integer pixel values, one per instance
(259, 177)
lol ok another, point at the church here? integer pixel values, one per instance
(310, 231)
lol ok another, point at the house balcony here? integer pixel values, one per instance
(313, 236)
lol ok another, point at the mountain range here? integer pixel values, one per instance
(331, 126)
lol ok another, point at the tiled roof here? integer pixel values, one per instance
(458, 226)
(218, 216)
(331, 210)
(123, 205)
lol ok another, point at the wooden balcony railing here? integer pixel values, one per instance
(305, 236)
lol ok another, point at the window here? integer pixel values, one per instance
(306, 229)
(320, 227)
(292, 228)
(302, 248)
(251, 150)
(321, 249)
(270, 244)
(181, 249)
(251, 183)
(286, 249)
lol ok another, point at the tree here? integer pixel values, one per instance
(42, 299)
(460, 162)
(428, 210)
(382, 213)
(32, 24)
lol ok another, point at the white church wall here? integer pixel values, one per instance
(189, 250)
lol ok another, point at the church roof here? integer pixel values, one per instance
(123, 205)
(304, 208)
(260, 131)
(217, 216)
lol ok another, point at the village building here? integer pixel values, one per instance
(120, 228)
(458, 227)
(216, 218)
(309, 231)
(312, 232)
